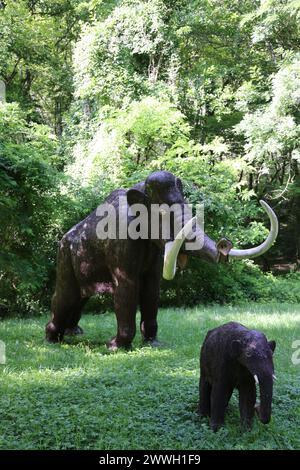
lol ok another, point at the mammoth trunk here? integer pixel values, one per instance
(264, 408)
(202, 246)
(190, 240)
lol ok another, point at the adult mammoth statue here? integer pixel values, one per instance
(129, 267)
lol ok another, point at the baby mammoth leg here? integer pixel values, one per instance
(220, 394)
(205, 395)
(247, 399)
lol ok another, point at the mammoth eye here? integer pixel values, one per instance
(248, 353)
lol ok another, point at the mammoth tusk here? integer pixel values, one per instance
(172, 249)
(256, 379)
(274, 377)
(263, 247)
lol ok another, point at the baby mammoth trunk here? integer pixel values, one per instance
(264, 408)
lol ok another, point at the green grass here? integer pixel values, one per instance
(77, 395)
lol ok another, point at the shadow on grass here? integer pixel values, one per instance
(128, 403)
(117, 408)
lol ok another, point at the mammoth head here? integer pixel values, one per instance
(163, 188)
(255, 353)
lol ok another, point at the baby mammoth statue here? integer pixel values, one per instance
(232, 356)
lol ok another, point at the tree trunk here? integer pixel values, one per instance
(296, 208)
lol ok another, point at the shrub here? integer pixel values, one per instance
(235, 282)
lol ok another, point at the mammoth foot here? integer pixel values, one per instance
(246, 424)
(53, 340)
(203, 413)
(53, 334)
(215, 426)
(153, 342)
(75, 330)
(114, 344)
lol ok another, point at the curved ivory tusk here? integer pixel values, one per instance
(172, 249)
(260, 249)
(274, 377)
(256, 379)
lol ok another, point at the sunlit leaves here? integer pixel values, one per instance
(272, 133)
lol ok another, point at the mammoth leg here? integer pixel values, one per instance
(66, 302)
(66, 310)
(125, 301)
(149, 298)
(247, 399)
(73, 328)
(220, 395)
(205, 394)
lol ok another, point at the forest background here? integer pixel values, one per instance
(97, 94)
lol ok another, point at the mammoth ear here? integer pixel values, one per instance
(134, 196)
(178, 183)
(236, 348)
(272, 345)
(182, 260)
(224, 246)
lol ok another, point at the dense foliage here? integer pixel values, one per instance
(99, 93)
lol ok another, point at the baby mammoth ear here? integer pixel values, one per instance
(178, 183)
(236, 348)
(272, 345)
(134, 196)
